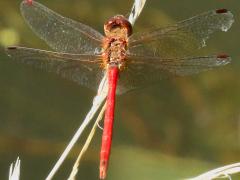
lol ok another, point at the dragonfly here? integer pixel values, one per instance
(130, 60)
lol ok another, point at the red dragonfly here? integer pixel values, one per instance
(130, 60)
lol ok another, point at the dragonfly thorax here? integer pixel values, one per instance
(117, 31)
(114, 53)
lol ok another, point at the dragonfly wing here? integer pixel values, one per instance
(80, 68)
(184, 38)
(60, 33)
(138, 73)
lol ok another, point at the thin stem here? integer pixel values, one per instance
(222, 172)
(136, 10)
(86, 145)
(14, 171)
(97, 102)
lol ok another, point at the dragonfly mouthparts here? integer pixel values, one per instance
(118, 21)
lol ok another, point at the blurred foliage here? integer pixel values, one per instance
(178, 128)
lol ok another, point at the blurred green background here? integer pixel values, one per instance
(177, 129)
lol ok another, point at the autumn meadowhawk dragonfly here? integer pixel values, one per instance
(131, 60)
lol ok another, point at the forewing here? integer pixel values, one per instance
(60, 33)
(139, 74)
(83, 69)
(182, 39)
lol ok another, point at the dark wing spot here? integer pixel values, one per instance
(223, 56)
(11, 48)
(221, 11)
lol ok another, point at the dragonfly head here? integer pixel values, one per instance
(118, 26)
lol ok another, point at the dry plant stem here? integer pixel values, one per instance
(222, 172)
(86, 145)
(14, 171)
(136, 10)
(97, 102)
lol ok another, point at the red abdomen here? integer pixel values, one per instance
(108, 121)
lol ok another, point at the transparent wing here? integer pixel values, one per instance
(60, 33)
(182, 39)
(83, 69)
(138, 73)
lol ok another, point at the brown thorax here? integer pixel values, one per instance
(117, 30)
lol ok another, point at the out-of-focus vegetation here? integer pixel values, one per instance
(178, 128)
